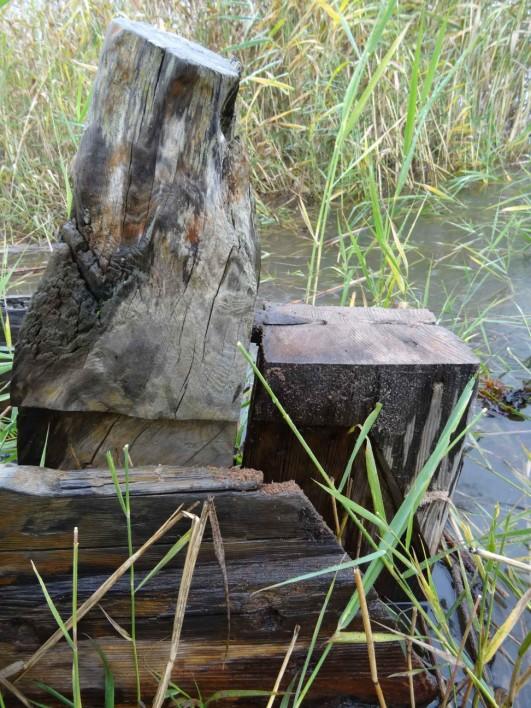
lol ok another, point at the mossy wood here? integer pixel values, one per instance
(270, 533)
(137, 317)
(329, 367)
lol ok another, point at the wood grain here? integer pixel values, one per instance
(271, 533)
(72, 440)
(142, 304)
(248, 665)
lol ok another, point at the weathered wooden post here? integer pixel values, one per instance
(131, 335)
(329, 367)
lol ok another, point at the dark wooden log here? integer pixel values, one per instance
(270, 534)
(142, 304)
(209, 668)
(41, 507)
(329, 366)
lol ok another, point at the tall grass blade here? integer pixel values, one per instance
(313, 640)
(76, 682)
(362, 436)
(506, 627)
(108, 677)
(53, 609)
(55, 694)
(374, 482)
(325, 571)
(283, 667)
(168, 556)
(198, 528)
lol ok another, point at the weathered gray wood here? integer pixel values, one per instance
(75, 439)
(150, 479)
(329, 366)
(142, 304)
(270, 534)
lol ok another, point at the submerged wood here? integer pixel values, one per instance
(270, 533)
(142, 304)
(329, 367)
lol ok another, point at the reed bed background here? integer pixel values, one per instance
(452, 98)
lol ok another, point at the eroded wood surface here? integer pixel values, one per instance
(154, 283)
(270, 533)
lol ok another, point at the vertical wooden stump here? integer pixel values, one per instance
(329, 367)
(131, 335)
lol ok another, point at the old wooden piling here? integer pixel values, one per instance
(329, 367)
(132, 332)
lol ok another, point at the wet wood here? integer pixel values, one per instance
(252, 666)
(329, 366)
(40, 514)
(154, 282)
(270, 533)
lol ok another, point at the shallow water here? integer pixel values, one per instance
(488, 472)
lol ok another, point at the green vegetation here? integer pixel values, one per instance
(415, 93)
(362, 116)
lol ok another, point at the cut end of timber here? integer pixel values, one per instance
(184, 49)
(358, 336)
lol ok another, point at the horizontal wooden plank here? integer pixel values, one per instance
(15, 566)
(25, 618)
(210, 668)
(148, 479)
(34, 522)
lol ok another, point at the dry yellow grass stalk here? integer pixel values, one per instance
(198, 529)
(284, 666)
(370, 643)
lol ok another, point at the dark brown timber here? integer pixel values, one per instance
(270, 533)
(135, 322)
(329, 367)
